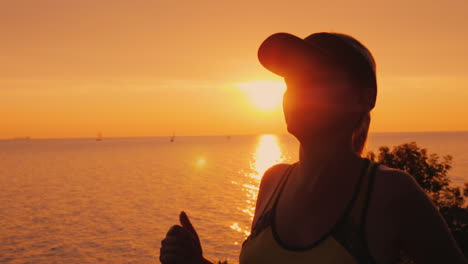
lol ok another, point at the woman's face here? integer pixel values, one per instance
(321, 103)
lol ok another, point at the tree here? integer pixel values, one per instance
(431, 175)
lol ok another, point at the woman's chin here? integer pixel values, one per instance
(302, 132)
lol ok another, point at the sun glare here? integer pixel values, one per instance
(265, 95)
(201, 162)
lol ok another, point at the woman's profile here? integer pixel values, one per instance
(333, 205)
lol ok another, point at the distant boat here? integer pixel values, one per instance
(99, 137)
(228, 137)
(173, 137)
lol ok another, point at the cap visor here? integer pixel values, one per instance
(285, 54)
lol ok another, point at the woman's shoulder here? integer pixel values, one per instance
(396, 193)
(270, 180)
(268, 183)
(394, 183)
(419, 224)
(391, 187)
(272, 175)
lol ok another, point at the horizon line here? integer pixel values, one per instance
(225, 135)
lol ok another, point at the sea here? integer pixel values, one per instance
(113, 200)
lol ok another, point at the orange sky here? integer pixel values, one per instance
(147, 68)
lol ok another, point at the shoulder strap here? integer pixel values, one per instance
(264, 217)
(350, 233)
(360, 205)
(277, 189)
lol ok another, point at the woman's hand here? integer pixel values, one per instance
(181, 244)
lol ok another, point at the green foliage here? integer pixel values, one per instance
(426, 169)
(431, 174)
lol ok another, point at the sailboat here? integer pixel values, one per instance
(99, 137)
(173, 137)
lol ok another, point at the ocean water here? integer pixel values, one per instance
(112, 201)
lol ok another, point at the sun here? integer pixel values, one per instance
(265, 95)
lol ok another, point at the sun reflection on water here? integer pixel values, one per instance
(268, 153)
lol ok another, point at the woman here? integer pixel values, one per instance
(333, 205)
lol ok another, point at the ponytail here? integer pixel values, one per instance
(360, 133)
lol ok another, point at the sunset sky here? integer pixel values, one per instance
(148, 68)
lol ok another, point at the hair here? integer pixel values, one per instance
(360, 133)
(363, 78)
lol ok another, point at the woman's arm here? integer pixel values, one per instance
(422, 231)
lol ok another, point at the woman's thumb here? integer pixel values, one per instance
(185, 222)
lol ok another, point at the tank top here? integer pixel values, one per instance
(345, 243)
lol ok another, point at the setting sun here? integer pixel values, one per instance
(265, 95)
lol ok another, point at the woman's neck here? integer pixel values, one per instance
(324, 161)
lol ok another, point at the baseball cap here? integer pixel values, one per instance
(290, 56)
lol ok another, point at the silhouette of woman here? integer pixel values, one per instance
(333, 205)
